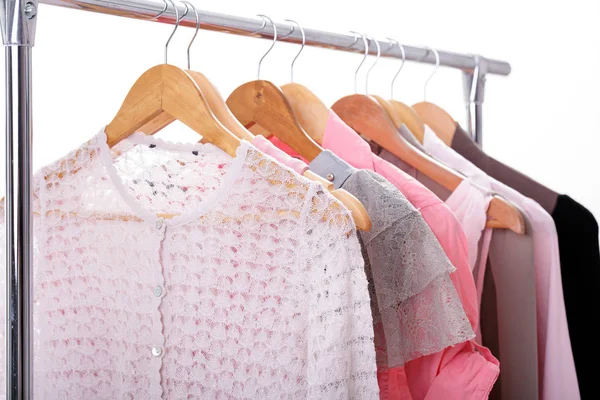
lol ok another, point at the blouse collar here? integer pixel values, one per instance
(142, 139)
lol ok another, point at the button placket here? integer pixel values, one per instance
(155, 293)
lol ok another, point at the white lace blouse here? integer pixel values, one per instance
(175, 271)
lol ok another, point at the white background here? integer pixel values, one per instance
(543, 119)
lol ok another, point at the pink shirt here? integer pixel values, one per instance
(555, 363)
(464, 371)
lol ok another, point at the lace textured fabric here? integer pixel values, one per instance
(250, 286)
(415, 306)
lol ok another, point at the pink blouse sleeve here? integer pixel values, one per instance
(467, 371)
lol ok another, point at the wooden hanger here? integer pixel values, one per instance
(364, 114)
(435, 117)
(409, 117)
(219, 107)
(310, 111)
(400, 113)
(262, 102)
(440, 122)
(161, 95)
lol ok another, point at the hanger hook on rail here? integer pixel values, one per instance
(292, 29)
(374, 63)
(265, 18)
(366, 45)
(177, 21)
(195, 33)
(164, 10)
(403, 52)
(437, 65)
(475, 81)
(291, 21)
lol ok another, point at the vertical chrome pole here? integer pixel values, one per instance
(474, 90)
(18, 32)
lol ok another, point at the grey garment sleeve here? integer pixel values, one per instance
(418, 311)
(513, 274)
(331, 167)
(407, 134)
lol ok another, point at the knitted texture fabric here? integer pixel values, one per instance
(175, 271)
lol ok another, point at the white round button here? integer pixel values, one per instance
(156, 351)
(157, 291)
(159, 223)
(330, 177)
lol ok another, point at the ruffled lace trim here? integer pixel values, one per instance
(405, 261)
(423, 324)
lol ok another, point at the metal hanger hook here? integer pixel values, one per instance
(177, 20)
(374, 63)
(195, 33)
(475, 81)
(366, 45)
(162, 12)
(437, 65)
(291, 21)
(403, 52)
(265, 18)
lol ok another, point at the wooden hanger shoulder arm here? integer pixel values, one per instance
(504, 215)
(219, 107)
(263, 103)
(438, 120)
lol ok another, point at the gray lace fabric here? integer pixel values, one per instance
(415, 306)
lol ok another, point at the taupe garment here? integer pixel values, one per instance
(466, 147)
(510, 261)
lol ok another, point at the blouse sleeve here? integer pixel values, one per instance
(417, 305)
(341, 354)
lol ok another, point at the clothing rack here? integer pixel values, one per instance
(18, 23)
